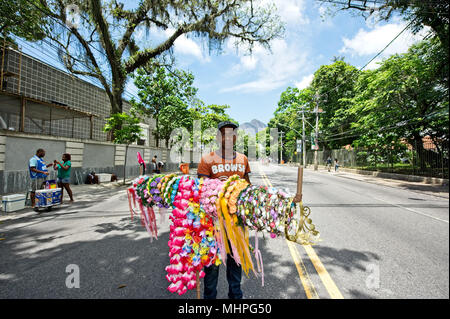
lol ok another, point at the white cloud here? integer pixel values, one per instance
(290, 11)
(260, 85)
(366, 43)
(305, 82)
(184, 45)
(270, 71)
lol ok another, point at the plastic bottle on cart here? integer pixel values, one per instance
(47, 185)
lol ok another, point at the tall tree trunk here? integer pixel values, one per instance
(116, 101)
(157, 130)
(420, 151)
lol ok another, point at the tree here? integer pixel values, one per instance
(173, 116)
(128, 133)
(161, 95)
(103, 44)
(403, 99)
(210, 116)
(420, 13)
(288, 119)
(21, 19)
(333, 85)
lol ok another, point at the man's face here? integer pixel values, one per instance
(228, 138)
(41, 154)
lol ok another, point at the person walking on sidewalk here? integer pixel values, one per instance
(336, 164)
(222, 164)
(38, 174)
(64, 167)
(329, 163)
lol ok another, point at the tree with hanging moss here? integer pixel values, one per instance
(101, 38)
(20, 18)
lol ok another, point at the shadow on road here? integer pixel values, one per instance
(33, 265)
(379, 205)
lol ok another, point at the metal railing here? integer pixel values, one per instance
(421, 159)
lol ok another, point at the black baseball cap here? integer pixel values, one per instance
(227, 124)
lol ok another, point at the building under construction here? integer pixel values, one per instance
(38, 98)
(44, 107)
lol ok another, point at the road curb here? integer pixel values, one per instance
(401, 177)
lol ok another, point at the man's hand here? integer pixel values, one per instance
(297, 198)
(45, 173)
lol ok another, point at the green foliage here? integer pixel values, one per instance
(210, 116)
(403, 100)
(288, 119)
(169, 97)
(20, 18)
(164, 96)
(406, 98)
(334, 85)
(125, 128)
(420, 13)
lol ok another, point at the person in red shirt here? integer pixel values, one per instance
(223, 163)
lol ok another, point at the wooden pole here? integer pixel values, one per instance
(298, 196)
(3, 62)
(22, 114)
(91, 120)
(198, 285)
(20, 72)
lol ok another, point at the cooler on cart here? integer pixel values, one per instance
(48, 197)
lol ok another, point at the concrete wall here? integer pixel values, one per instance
(44, 82)
(102, 157)
(18, 148)
(96, 155)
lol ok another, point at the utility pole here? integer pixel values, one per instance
(316, 137)
(281, 151)
(303, 138)
(316, 145)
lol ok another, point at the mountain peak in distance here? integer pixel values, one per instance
(253, 127)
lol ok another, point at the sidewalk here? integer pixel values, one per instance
(81, 192)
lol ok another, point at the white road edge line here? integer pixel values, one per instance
(411, 210)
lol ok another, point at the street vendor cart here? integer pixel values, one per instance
(48, 197)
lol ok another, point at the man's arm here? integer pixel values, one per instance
(247, 171)
(33, 169)
(247, 178)
(203, 169)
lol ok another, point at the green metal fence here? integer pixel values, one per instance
(427, 159)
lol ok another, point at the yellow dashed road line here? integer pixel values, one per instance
(327, 281)
(323, 273)
(310, 290)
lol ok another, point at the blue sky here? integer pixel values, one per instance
(252, 85)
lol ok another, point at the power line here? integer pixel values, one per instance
(362, 68)
(378, 54)
(54, 56)
(367, 8)
(89, 44)
(398, 124)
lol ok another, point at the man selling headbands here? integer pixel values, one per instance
(223, 163)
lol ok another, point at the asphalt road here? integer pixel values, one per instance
(377, 242)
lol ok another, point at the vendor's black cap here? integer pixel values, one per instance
(227, 124)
